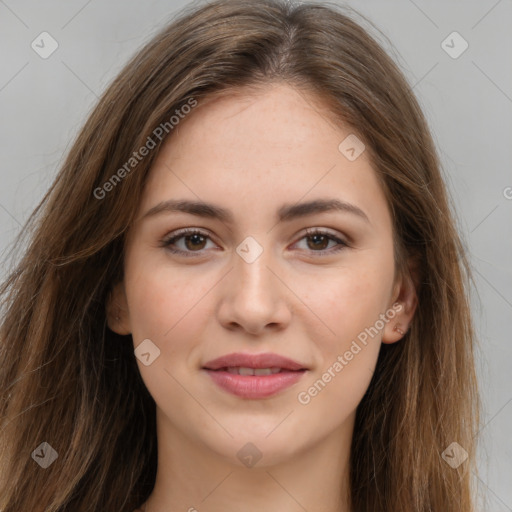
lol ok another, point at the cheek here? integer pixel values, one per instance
(350, 299)
(350, 306)
(333, 395)
(167, 306)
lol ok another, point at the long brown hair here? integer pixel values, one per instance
(69, 381)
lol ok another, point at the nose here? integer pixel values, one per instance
(253, 298)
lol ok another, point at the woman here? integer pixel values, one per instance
(244, 289)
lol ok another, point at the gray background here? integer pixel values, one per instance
(467, 100)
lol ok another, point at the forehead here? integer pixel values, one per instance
(279, 116)
(261, 148)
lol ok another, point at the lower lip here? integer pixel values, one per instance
(255, 386)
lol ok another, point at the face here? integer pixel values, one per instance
(269, 275)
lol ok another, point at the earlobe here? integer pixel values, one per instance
(118, 317)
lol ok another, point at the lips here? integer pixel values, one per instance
(254, 376)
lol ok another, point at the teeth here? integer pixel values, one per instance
(253, 371)
(246, 371)
(263, 371)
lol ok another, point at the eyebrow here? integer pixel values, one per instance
(287, 212)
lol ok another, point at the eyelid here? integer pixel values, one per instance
(181, 233)
(186, 231)
(324, 231)
(341, 240)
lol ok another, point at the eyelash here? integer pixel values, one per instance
(169, 241)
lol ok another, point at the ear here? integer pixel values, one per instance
(404, 302)
(118, 316)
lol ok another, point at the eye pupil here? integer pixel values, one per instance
(324, 241)
(198, 239)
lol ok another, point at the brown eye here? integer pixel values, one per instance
(186, 242)
(318, 241)
(194, 242)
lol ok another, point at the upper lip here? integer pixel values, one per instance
(243, 360)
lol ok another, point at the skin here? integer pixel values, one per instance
(251, 153)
